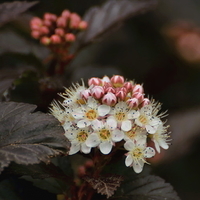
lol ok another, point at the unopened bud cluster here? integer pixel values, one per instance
(57, 32)
(109, 111)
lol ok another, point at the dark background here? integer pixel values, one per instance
(142, 49)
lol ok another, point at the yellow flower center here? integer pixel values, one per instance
(120, 116)
(143, 119)
(91, 114)
(137, 153)
(82, 136)
(132, 132)
(104, 134)
(80, 101)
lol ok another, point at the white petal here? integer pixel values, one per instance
(103, 110)
(85, 149)
(111, 123)
(66, 125)
(105, 79)
(75, 147)
(105, 147)
(133, 114)
(83, 123)
(156, 146)
(149, 152)
(126, 125)
(137, 122)
(146, 109)
(71, 134)
(92, 140)
(138, 166)
(92, 102)
(129, 145)
(96, 124)
(117, 135)
(128, 160)
(78, 114)
(154, 121)
(151, 129)
(163, 144)
(141, 141)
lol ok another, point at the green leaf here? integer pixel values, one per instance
(28, 137)
(146, 188)
(112, 14)
(9, 11)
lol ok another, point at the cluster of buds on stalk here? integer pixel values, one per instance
(109, 111)
(57, 32)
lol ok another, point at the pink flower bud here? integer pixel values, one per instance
(36, 21)
(55, 39)
(35, 34)
(121, 95)
(70, 37)
(45, 40)
(85, 94)
(117, 81)
(97, 92)
(133, 103)
(65, 14)
(138, 96)
(83, 25)
(145, 102)
(74, 21)
(59, 31)
(123, 89)
(110, 89)
(50, 16)
(128, 86)
(44, 30)
(47, 23)
(94, 81)
(61, 22)
(138, 88)
(109, 99)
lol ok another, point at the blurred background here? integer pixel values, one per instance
(160, 48)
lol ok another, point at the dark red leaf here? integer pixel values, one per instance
(10, 10)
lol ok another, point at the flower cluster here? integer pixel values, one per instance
(109, 111)
(57, 32)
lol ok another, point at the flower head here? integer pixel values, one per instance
(110, 111)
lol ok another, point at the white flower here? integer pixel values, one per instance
(72, 96)
(135, 132)
(104, 137)
(58, 112)
(88, 114)
(160, 138)
(138, 152)
(122, 116)
(147, 120)
(78, 137)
